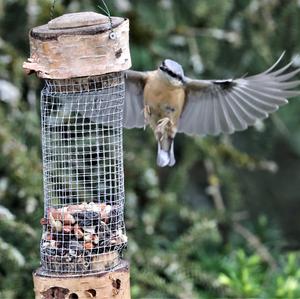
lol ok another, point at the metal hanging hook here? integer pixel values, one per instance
(112, 34)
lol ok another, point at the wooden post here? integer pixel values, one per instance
(71, 46)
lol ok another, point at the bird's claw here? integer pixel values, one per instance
(162, 123)
(147, 114)
(147, 111)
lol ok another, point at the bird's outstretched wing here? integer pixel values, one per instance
(224, 106)
(133, 116)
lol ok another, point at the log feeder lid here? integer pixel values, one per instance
(79, 45)
(82, 23)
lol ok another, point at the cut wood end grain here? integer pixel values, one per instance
(79, 19)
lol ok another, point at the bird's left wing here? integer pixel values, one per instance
(224, 106)
(133, 116)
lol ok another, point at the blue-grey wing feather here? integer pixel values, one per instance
(224, 106)
(133, 116)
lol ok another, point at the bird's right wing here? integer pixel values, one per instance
(133, 116)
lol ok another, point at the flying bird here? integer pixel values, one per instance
(169, 102)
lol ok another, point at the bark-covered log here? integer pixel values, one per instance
(110, 285)
(79, 45)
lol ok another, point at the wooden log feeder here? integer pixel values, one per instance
(82, 58)
(78, 45)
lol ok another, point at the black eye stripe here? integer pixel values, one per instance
(164, 69)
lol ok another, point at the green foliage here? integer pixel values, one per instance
(287, 283)
(180, 245)
(243, 274)
(248, 277)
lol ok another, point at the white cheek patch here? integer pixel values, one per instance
(175, 82)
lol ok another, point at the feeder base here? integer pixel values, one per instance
(111, 285)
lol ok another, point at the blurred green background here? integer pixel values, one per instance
(224, 222)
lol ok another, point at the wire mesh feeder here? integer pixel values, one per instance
(82, 57)
(83, 224)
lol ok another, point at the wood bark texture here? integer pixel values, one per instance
(112, 285)
(61, 50)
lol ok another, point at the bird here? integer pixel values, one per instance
(170, 102)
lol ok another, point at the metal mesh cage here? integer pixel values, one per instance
(83, 224)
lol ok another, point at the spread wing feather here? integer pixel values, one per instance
(133, 116)
(224, 106)
(97, 107)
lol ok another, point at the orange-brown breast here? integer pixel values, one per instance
(163, 100)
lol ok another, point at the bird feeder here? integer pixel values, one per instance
(82, 57)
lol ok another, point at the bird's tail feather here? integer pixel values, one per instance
(165, 158)
(171, 153)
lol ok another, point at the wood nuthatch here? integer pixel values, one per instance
(169, 102)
